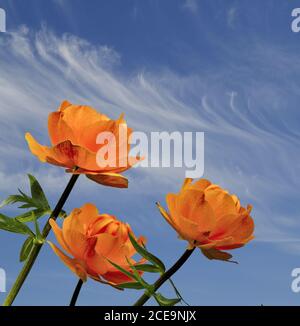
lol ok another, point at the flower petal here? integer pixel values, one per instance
(100, 223)
(225, 226)
(58, 130)
(74, 235)
(244, 230)
(64, 105)
(167, 216)
(117, 277)
(110, 179)
(59, 235)
(220, 201)
(73, 155)
(106, 243)
(171, 200)
(201, 184)
(186, 183)
(193, 206)
(216, 254)
(97, 264)
(36, 149)
(186, 228)
(79, 118)
(89, 139)
(74, 265)
(88, 215)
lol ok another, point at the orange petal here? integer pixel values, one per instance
(192, 205)
(74, 235)
(187, 229)
(221, 202)
(108, 169)
(44, 153)
(206, 246)
(64, 105)
(36, 149)
(59, 235)
(100, 223)
(171, 200)
(106, 243)
(186, 182)
(73, 155)
(110, 179)
(79, 118)
(98, 264)
(225, 226)
(164, 213)
(225, 242)
(230, 246)
(244, 230)
(201, 184)
(88, 215)
(117, 277)
(89, 139)
(58, 130)
(188, 198)
(237, 202)
(119, 255)
(75, 266)
(190, 230)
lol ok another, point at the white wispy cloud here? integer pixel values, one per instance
(191, 6)
(245, 150)
(231, 16)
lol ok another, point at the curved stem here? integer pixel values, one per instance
(146, 296)
(76, 293)
(37, 247)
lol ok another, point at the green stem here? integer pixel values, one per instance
(76, 293)
(146, 296)
(177, 292)
(37, 247)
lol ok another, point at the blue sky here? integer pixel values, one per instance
(228, 68)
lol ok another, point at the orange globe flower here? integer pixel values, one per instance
(73, 132)
(93, 240)
(208, 217)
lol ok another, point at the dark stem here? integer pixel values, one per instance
(146, 296)
(37, 247)
(76, 293)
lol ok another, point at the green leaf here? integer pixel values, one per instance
(11, 200)
(147, 268)
(146, 254)
(163, 301)
(218, 255)
(63, 214)
(30, 215)
(37, 228)
(29, 202)
(137, 275)
(37, 192)
(124, 271)
(38, 199)
(12, 225)
(179, 296)
(26, 248)
(38, 202)
(131, 285)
